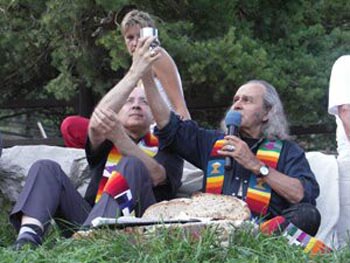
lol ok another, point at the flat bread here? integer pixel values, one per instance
(200, 205)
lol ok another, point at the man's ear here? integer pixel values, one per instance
(266, 116)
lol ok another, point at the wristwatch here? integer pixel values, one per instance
(264, 171)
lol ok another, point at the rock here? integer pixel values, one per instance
(16, 161)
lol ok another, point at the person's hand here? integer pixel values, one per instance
(239, 150)
(103, 124)
(144, 56)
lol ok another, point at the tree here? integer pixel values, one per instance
(62, 46)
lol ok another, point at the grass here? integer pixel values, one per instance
(108, 245)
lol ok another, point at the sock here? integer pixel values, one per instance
(31, 233)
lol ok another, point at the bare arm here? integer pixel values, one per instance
(117, 96)
(288, 187)
(160, 110)
(344, 115)
(115, 132)
(166, 71)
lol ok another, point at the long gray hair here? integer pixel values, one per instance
(276, 126)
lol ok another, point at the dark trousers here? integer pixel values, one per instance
(49, 194)
(304, 216)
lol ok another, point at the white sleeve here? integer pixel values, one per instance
(163, 93)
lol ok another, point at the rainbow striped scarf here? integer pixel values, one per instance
(294, 235)
(112, 181)
(310, 244)
(258, 193)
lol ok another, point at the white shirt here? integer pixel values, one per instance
(339, 94)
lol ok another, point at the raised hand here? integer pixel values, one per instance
(144, 56)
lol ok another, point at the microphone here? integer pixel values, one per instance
(232, 122)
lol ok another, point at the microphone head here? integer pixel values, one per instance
(233, 118)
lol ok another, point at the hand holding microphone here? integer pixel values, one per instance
(232, 122)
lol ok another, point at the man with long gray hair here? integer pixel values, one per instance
(267, 170)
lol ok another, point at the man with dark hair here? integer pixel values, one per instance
(269, 172)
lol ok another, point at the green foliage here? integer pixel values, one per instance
(58, 46)
(164, 245)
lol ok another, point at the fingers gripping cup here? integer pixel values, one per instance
(150, 31)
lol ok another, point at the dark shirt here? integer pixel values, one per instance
(171, 162)
(194, 144)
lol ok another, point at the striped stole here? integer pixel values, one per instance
(294, 235)
(111, 178)
(258, 193)
(215, 170)
(310, 244)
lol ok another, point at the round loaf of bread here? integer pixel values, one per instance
(201, 205)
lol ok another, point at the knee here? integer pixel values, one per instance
(131, 166)
(305, 216)
(309, 211)
(45, 164)
(45, 168)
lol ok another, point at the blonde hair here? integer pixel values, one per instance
(136, 17)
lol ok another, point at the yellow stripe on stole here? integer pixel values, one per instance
(215, 181)
(310, 245)
(98, 196)
(149, 152)
(270, 154)
(114, 157)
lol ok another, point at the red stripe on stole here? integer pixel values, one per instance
(100, 188)
(151, 140)
(213, 189)
(214, 184)
(271, 164)
(217, 146)
(268, 159)
(116, 184)
(272, 225)
(256, 197)
(258, 206)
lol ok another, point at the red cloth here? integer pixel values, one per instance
(74, 131)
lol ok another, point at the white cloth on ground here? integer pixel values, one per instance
(325, 168)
